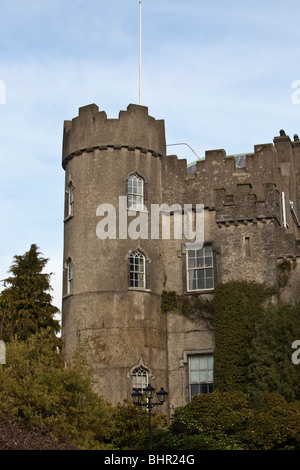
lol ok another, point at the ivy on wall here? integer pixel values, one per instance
(272, 368)
(193, 307)
(253, 337)
(284, 270)
(237, 306)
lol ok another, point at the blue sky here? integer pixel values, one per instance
(219, 73)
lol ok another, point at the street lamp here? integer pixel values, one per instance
(149, 393)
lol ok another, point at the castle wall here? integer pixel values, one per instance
(186, 336)
(290, 285)
(134, 128)
(123, 325)
(243, 223)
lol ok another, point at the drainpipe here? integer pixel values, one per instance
(283, 209)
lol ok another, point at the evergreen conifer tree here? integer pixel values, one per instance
(25, 302)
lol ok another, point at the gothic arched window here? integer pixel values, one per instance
(137, 270)
(135, 193)
(139, 379)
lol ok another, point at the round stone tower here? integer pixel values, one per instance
(112, 278)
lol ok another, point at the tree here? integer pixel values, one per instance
(25, 302)
(37, 388)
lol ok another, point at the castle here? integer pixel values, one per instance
(113, 284)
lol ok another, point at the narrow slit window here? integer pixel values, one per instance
(71, 199)
(247, 246)
(70, 276)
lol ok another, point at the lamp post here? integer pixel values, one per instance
(149, 393)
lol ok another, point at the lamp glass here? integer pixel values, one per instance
(162, 395)
(136, 397)
(149, 391)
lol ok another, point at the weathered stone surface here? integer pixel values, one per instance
(244, 217)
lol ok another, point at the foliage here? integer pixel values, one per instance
(271, 367)
(253, 354)
(203, 442)
(217, 417)
(25, 302)
(275, 426)
(168, 300)
(193, 307)
(226, 421)
(237, 305)
(36, 387)
(166, 440)
(258, 407)
(130, 426)
(284, 270)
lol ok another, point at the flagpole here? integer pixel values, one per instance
(140, 66)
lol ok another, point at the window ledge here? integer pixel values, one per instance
(68, 218)
(139, 289)
(132, 212)
(204, 291)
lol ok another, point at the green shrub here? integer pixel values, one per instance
(130, 426)
(226, 421)
(275, 426)
(162, 439)
(218, 418)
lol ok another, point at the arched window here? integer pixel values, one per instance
(135, 193)
(70, 199)
(139, 379)
(137, 270)
(69, 276)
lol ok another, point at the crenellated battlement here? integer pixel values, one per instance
(275, 163)
(136, 134)
(244, 207)
(219, 169)
(134, 129)
(266, 160)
